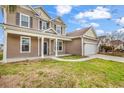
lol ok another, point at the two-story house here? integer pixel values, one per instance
(31, 33)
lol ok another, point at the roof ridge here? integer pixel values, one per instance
(80, 29)
(79, 32)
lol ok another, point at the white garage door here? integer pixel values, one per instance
(90, 49)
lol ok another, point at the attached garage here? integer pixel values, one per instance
(90, 49)
(86, 44)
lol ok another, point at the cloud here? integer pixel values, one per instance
(63, 9)
(94, 24)
(120, 21)
(121, 30)
(100, 32)
(98, 13)
(78, 28)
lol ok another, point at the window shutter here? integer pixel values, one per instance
(55, 27)
(47, 25)
(40, 24)
(61, 30)
(31, 22)
(18, 19)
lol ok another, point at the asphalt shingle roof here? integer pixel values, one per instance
(78, 32)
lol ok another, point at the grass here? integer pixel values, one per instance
(119, 54)
(1, 55)
(51, 73)
(72, 57)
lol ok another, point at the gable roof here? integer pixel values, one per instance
(30, 7)
(48, 30)
(58, 17)
(79, 32)
(40, 7)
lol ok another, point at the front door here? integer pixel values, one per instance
(45, 48)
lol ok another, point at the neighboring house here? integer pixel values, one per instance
(118, 44)
(107, 41)
(104, 40)
(32, 33)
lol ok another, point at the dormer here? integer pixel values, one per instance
(59, 26)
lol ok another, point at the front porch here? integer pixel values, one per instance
(50, 47)
(41, 43)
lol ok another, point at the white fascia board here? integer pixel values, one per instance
(37, 34)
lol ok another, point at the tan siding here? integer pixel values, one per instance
(13, 47)
(11, 17)
(74, 47)
(42, 14)
(90, 33)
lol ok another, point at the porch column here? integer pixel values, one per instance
(38, 46)
(42, 47)
(5, 15)
(82, 46)
(49, 46)
(5, 48)
(56, 50)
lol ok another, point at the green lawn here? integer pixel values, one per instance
(50, 73)
(1, 55)
(72, 57)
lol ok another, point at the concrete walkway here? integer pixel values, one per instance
(106, 57)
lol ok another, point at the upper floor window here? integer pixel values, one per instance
(58, 29)
(44, 25)
(25, 20)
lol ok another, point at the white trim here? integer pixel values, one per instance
(56, 48)
(50, 29)
(58, 45)
(21, 37)
(5, 47)
(37, 33)
(23, 6)
(82, 46)
(5, 15)
(28, 20)
(42, 47)
(47, 46)
(38, 46)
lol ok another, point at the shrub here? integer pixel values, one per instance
(104, 48)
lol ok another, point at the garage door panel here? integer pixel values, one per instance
(90, 49)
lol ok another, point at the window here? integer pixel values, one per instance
(25, 44)
(25, 20)
(60, 45)
(58, 29)
(44, 25)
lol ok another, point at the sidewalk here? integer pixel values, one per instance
(106, 57)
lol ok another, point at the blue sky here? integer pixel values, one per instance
(105, 19)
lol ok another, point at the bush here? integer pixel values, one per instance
(104, 48)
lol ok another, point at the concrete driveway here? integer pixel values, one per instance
(106, 57)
